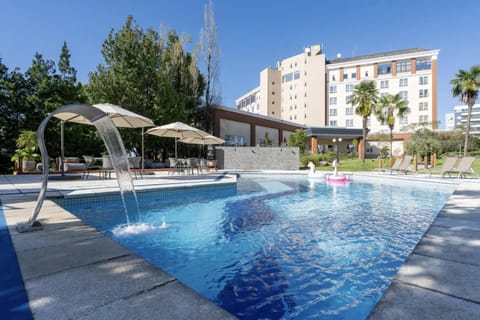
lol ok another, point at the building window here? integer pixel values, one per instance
(253, 99)
(423, 119)
(349, 88)
(273, 102)
(366, 74)
(345, 76)
(347, 99)
(333, 123)
(305, 116)
(333, 89)
(404, 120)
(287, 77)
(349, 111)
(305, 105)
(384, 68)
(349, 123)
(295, 117)
(354, 75)
(423, 93)
(384, 84)
(333, 78)
(404, 82)
(423, 80)
(332, 112)
(296, 75)
(273, 93)
(403, 66)
(404, 95)
(333, 100)
(424, 64)
(423, 106)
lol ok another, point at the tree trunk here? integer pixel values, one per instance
(391, 142)
(467, 128)
(364, 139)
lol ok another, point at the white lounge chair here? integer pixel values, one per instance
(446, 168)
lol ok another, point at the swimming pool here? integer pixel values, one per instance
(278, 247)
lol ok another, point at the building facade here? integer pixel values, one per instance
(293, 91)
(310, 90)
(460, 118)
(411, 73)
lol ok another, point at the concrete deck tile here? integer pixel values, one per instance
(403, 301)
(453, 234)
(79, 291)
(464, 224)
(466, 251)
(161, 303)
(57, 257)
(56, 234)
(452, 278)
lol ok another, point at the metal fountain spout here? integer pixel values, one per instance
(97, 118)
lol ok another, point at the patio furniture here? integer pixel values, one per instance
(404, 166)
(446, 168)
(174, 165)
(135, 163)
(91, 164)
(107, 168)
(464, 167)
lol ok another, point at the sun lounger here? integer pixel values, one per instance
(404, 166)
(464, 167)
(446, 168)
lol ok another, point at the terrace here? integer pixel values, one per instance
(70, 270)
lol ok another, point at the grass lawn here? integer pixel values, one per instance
(352, 165)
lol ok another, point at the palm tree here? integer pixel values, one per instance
(365, 97)
(465, 86)
(388, 109)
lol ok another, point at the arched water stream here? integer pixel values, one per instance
(115, 148)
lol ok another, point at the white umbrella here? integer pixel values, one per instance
(203, 140)
(121, 118)
(177, 130)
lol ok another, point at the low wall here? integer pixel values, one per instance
(258, 158)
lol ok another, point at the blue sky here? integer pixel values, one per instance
(252, 35)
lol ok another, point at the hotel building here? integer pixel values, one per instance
(460, 118)
(310, 90)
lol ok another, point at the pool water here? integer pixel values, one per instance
(279, 247)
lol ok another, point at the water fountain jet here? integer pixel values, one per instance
(115, 148)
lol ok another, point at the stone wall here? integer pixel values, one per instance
(258, 158)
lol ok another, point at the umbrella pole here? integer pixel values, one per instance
(176, 148)
(62, 147)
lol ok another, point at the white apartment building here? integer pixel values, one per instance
(293, 91)
(309, 90)
(412, 73)
(461, 118)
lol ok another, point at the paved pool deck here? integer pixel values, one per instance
(72, 271)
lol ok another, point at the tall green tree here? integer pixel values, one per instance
(389, 108)
(210, 55)
(148, 74)
(365, 98)
(465, 85)
(424, 143)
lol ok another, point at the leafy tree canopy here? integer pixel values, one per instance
(149, 75)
